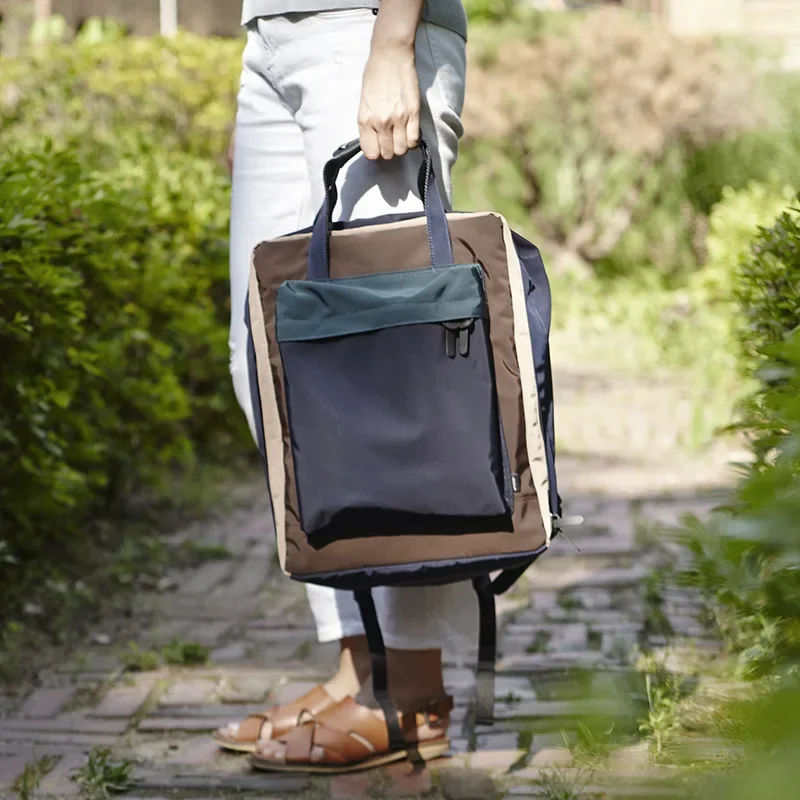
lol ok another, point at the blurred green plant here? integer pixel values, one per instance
(27, 783)
(734, 223)
(746, 558)
(185, 654)
(113, 329)
(137, 659)
(103, 776)
(103, 95)
(583, 130)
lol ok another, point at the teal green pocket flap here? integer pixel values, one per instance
(308, 310)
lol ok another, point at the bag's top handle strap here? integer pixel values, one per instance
(440, 246)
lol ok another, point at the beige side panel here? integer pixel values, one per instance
(273, 435)
(530, 396)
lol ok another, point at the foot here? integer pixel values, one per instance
(242, 737)
(348, 737)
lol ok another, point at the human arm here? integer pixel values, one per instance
(388, 115)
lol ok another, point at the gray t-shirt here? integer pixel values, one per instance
(447, 13)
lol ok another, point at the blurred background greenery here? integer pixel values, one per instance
(658, 174)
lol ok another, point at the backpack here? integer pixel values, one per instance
(403, 396)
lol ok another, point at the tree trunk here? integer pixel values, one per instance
(169, 17)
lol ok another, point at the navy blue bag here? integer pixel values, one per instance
(402, 385)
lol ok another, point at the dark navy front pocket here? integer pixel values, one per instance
(392, 403)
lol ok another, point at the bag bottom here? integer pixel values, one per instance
(426, 573)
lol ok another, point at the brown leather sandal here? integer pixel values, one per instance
(244, 736)
(349, 737)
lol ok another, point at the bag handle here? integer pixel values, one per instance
(441, 249)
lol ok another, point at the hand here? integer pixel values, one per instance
(388, 116)
(231, 146)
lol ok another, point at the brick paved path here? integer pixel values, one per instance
(584, 609)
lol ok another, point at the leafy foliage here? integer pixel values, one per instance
(177, 94)
(113, 317)
(733, 224)
(588, 124)
(103, 776)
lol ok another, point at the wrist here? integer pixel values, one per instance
(400, 42)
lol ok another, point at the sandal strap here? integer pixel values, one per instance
(249, 729)
(348, 732)
(283, 718)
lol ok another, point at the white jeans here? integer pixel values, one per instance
(298, 102)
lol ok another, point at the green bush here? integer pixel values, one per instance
(178, 94)
(113, 333)
(768, 289)
(734, 223)
(585, 125)
(745, 558)
(773, 148)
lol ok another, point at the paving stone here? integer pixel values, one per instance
(552, 757)
(248, 578)
(201, 609)
(244, 688)
(517, 688)
(406, 780)
(212, 710)
(57, 739)
(66, 723)
(197, 751)
(246, 782)
(10, 768)
(125, 701)
(621, 576)
(236, 651)
(569, 637)
(204, 579)
(210, 634)
(188, 692)
(508, 740)
(467, 784)
(47, 702)
(526, 663)
(543, 601)
(163, 724)
(553, 709)
(59, 783)
(592, 546)
(357, 786)
(172, 629)
(495, 760)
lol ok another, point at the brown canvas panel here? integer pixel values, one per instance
(476, 239)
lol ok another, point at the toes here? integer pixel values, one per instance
(229, 731)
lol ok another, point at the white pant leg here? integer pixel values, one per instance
(269, 183)
(270, 180)
(321, 60)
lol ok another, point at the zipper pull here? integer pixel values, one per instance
(449, 342)
(463, 339)
(456, 337)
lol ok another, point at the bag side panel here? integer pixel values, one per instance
(537, 450)
(539, 304)
(267, 407)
